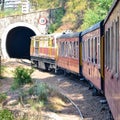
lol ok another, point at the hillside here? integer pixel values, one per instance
(75, 15)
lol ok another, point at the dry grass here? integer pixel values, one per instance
(56, 102)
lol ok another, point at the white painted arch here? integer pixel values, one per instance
(6, 31)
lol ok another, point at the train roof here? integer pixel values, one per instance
(111, 9)
(37, 37)
(69, 35)
(92, 28)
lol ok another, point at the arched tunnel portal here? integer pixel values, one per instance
(18, 42)
(15, 41)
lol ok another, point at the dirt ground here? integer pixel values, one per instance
(78, 91)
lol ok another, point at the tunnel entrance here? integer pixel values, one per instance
(18, 42)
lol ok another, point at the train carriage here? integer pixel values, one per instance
(69, 53)
(112, 57)
(43, 51)
(92, 51)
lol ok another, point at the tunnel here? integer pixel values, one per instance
(18, 42)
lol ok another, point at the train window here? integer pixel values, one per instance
(36, 44)
(59, 48)
(74, 50)
(108, 51)
(53, 42)
(114, 45)
(117, 46)
(70, 49)
(89, 49)
(118, 26)
(75, 46)
(36, 47)
(98, 51)
(106, 46)
(70, 53)
(95, 51)
(66, 49)
(62, 49)
(77, 50)
(83, 50)
(110, 48)
(43, 42)
(49, 42)
(91, 52)
(32, 42)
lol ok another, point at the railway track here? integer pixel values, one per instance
(86, 106)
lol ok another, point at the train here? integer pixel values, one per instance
(93, 54)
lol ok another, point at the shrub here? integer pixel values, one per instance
(6, 115)
(22, 76)
(40, 90)
(2, 97)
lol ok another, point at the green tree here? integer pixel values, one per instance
(47, 4)
(74, 13)
(97, 11)
(58, 15)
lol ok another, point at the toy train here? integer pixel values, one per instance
(93, 53)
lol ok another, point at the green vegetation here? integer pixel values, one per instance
(10, 12)
(96, 12)
(40, 90)
(33, 97)
(47, 4)
(3, 96)
(75, 15)
(78, 14)
(58, 15)
(22, 76)
(44, 96)
(6, 115)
